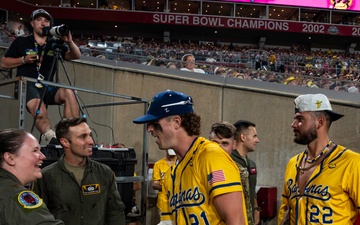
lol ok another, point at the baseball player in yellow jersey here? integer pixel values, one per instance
(321, 184)
(160, 168)
(204, 187)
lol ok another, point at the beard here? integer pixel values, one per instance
(307, 137)
(39, 33)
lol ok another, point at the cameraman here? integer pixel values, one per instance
(33, 56)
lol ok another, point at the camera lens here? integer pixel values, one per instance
(59, 31)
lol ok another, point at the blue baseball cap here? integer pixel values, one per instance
(165, 104)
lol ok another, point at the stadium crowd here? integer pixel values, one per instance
(328, 69)
(295, 65)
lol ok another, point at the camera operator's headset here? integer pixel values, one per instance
(184, 58)
(42, 12)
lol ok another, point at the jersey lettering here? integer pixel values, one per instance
(317, 214)
(187, 198)
(319, 192)
(195, 221)
(327, 215)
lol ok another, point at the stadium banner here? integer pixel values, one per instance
(209, 21)
(255, 24)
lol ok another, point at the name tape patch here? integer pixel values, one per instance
(91, 189)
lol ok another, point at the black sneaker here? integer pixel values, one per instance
(54, 141)
(48, 135)
(134, 212)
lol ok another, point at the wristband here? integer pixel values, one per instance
(258, 209)
(23, 60)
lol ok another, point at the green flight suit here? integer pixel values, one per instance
(95, 202)
(18, 205)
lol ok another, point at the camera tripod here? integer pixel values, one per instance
(54, 71)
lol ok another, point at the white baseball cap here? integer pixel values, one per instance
(171, 152)
(315, 102)
(40, 12)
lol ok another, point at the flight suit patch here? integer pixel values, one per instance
(253, 171)
(91, 189)
(29, 200)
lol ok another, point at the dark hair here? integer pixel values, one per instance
(191, 123)
(11, 140)
(159, 63)
(62, 128)
(326, 115)
(223, 129)
(241, 126)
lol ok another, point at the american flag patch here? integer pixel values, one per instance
(216, 176)
(253, 171)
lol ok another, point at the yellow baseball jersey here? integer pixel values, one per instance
(205, 172)
(159, 170)
(332, 194)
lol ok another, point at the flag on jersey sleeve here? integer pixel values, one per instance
(216, 176)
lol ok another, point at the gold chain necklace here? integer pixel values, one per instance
(303, 169)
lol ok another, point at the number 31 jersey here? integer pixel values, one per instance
(205, 172)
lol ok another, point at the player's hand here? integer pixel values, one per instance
(286, 219)
(256, 217)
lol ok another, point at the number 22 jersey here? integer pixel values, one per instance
(332, 193)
